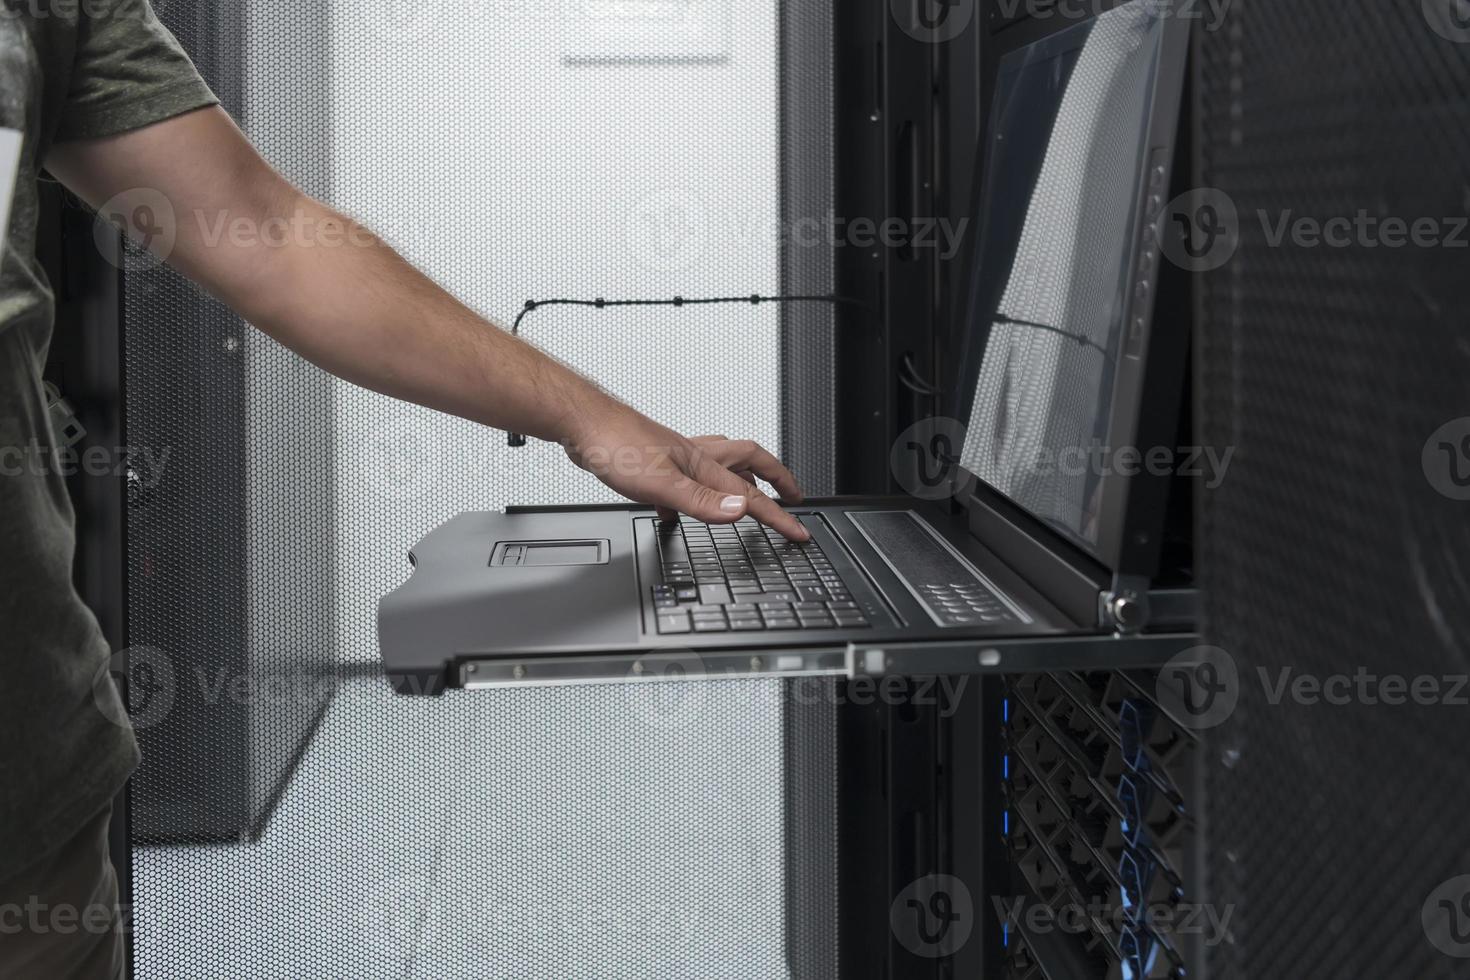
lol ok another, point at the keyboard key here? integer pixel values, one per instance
(673, 623)
(710, 626)
(686, 594)
(746, 625)
(710, 594)
(782, 623)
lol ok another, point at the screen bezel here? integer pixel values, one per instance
(1123, 415)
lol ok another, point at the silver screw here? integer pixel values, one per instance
(755, 663)
(1127, 611)
(518, 672)
(471, 668)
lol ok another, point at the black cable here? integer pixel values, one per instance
(914, 381)
(909, 376)
(754, 299)
(515, 439)
(1081, 340)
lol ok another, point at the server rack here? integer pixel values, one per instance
(943, 792)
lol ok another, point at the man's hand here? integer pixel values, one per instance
(337, 295)
(710, 477)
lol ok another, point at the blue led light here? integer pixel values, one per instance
(1131, 729)
(1133, 798)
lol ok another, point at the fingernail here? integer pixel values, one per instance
(732, 504)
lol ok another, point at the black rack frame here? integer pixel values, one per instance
(921, 787)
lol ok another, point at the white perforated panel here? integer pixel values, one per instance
(514, 150)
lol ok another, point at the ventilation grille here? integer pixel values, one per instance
(1336, 547)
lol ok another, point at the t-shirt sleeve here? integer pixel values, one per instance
(130, 71)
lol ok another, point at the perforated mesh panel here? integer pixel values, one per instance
(809, 393)
(1334, 545)
(291, 817)
(448, 838)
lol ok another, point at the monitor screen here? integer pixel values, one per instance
(1065, 155)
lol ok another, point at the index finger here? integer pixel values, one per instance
(762, 508)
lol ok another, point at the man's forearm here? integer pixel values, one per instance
(328, 289)
(322, 285)
(338, 295)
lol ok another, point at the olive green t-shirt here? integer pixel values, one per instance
(69, 70)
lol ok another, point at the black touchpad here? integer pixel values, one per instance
(586, 551)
